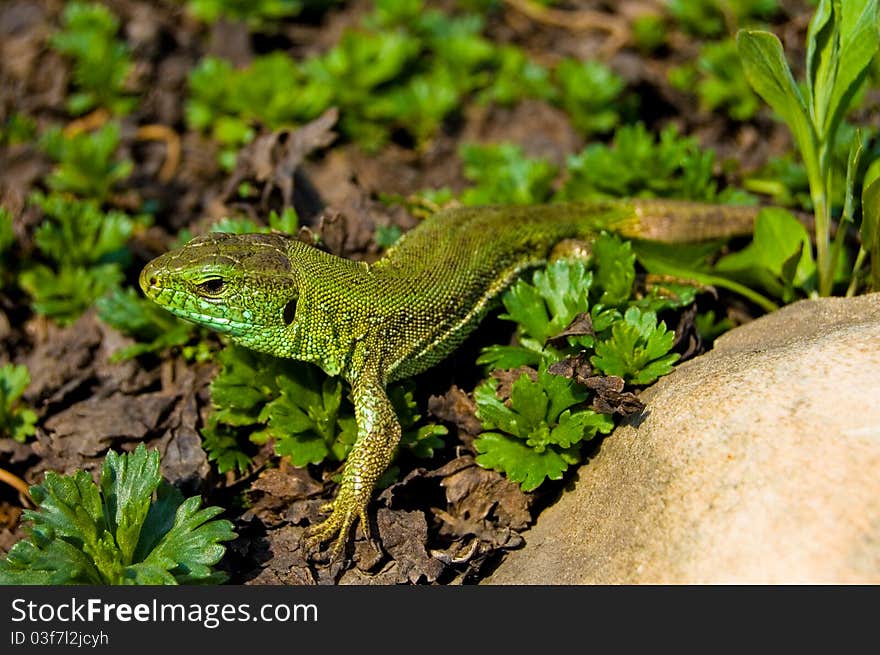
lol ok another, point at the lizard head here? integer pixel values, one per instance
(242, 285)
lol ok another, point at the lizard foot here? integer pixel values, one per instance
(345, 511)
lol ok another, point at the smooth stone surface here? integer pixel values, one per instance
(758, 462)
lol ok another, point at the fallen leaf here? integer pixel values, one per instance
(403, 535)
(272, 159)
(581, 325)
(506, 378)
(285, 560)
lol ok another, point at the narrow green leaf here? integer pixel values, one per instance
(778, 238)
(852, 167)
(159, 519)
(768, 73)
(504, 357)
(858, 43)
(820, 43)
(870, 228)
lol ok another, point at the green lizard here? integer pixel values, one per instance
(374, 324)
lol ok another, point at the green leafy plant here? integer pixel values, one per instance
(86, 249)
(536, 435)
(590, 93)
(101, 63)
(719, 81)
(86, 165)
(842, 40)
(306, 419)
(779, 259)
(256, 13)
(637, 163)
(637, 349)
(516, 77)
(710, 18)
(541, 310)
(229, 103)
(154, 329)
(134, 528)
(16, 420)
(403, 71)
(596, 291)
(578, 311)
(304, 412)
(501, 173)
(7, 239)
(18, 128)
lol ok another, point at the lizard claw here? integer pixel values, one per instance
(345, 511)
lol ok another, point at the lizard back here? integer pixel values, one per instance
(441, 278)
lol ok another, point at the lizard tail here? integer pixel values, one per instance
(684, 221)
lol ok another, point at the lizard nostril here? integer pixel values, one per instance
(153, 281)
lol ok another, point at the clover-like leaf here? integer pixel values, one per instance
(638, 348)
(534, 435)
(520, 462)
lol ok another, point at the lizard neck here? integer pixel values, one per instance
(332, 318)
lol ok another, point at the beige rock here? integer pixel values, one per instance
(758, 462)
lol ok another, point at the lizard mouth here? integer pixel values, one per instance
(197, 310)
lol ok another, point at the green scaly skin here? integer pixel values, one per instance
(374, 324)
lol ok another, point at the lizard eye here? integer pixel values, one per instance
(211, 286)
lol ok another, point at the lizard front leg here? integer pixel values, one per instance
(373, 450)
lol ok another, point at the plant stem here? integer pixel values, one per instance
(820, 191)
(854, 278)
(823, 224)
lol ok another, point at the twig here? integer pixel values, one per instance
(18, 484)
(577, 21)
(171, 139)
(90, 121)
